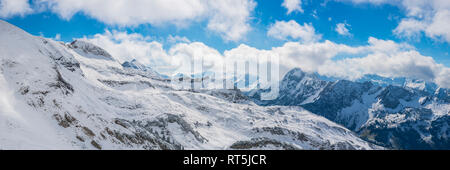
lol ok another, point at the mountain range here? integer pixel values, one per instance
(57, 95)
(398, 113)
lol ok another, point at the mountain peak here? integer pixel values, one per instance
(90, 50)
(135, 65)
(295, 74)
(400, 81)
(142, 69)
(298, 72)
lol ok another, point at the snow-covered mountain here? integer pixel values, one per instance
(404, 82)
(407, 115)
(77, 96)
(137, 68)
(296, 87)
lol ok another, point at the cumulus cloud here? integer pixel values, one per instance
(382, 57)
(284, 30)
(341, 29)
(377, 2)
(57, 37)
(292, 5)
(181, 56)
(176, 39)
(402, 64)
(430, 17)
(9, 8)
(121, 12)
(387, 46)
(440, 25)
(125, 47)
(444, 78)
(311, 56)
(228, 18)
(410, 28)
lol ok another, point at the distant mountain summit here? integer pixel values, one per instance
(397, 113)
(134, 64)
(143, 70)
(296, 87)
(90, 50)
(422, 85)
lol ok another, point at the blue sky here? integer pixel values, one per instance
(366, 20)
(218, 26)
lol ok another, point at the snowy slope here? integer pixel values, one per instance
(76, 96)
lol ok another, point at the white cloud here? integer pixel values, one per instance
(387, 46)
(9, 8)
(182, 54)
(401, 64)
(409, 28)
(283, 30)
(292, 5)
(444, 78)
(341, 29)
(175, 39)
(121, 12)
(382, 57)
(124, 47)
(377, 2)
(228, 18)
(310, 57)
(430, 17)
(57, 37)
(440, 26)
(314, 14)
